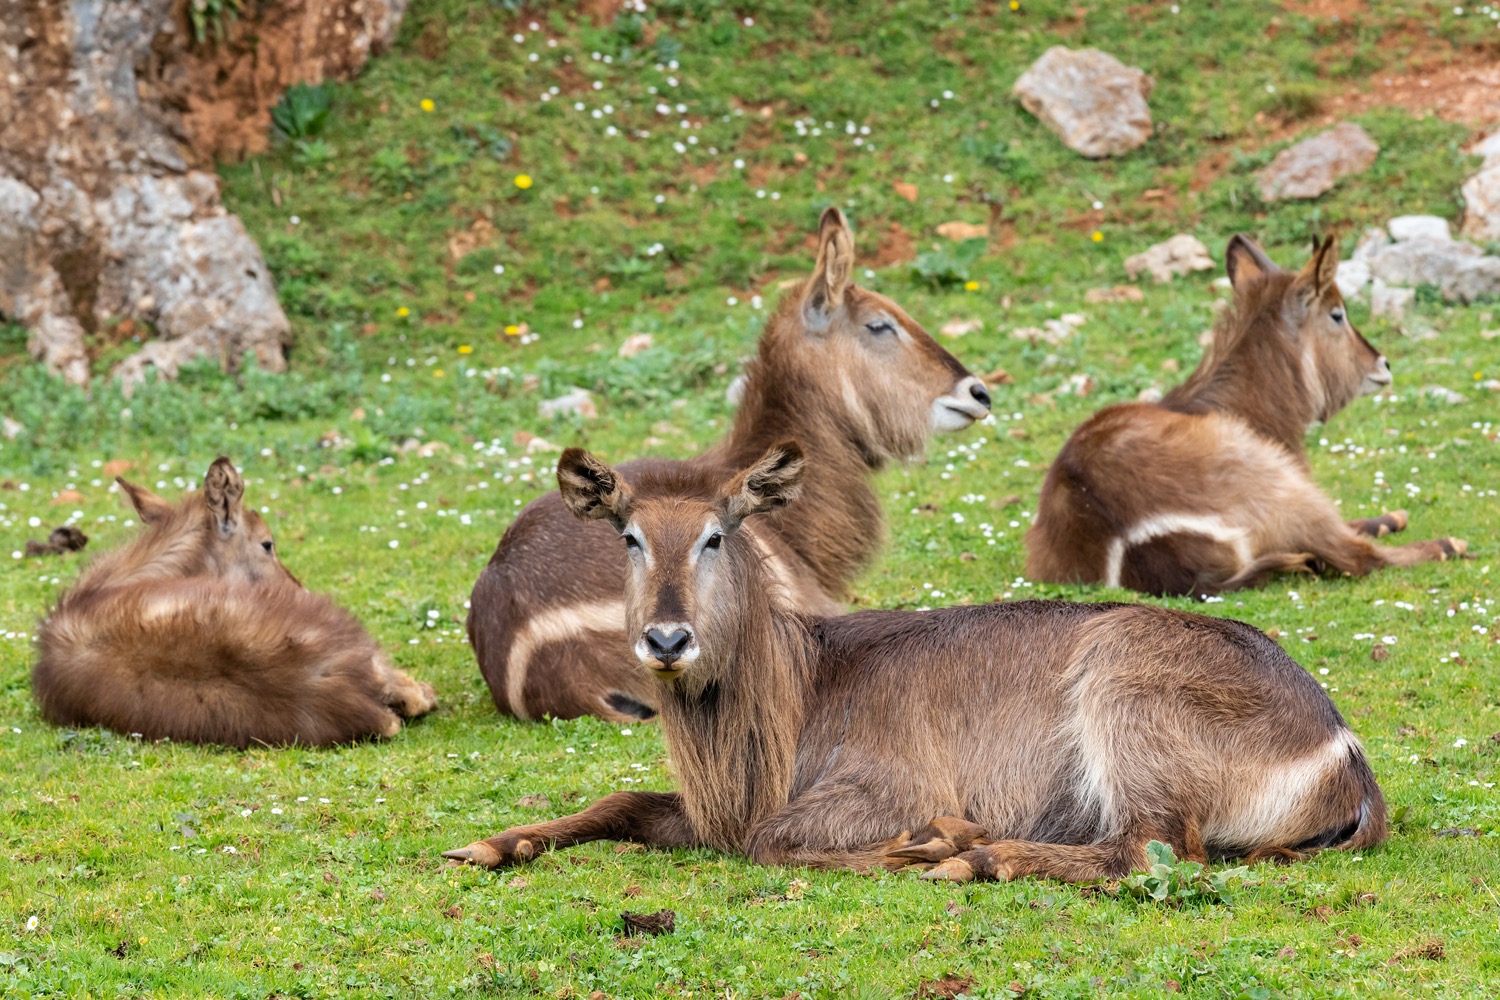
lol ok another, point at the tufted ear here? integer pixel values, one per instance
(148, 506)
(825, 292)
(1245, 262)
(773, 481)
(224, 493)
(592, 490)
(1317, 278)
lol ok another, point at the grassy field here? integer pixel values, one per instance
(485, 218)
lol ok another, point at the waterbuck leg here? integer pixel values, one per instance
(1010, 859)
(652, 818)
(1357, 555)
(1378, 527)
(941, 839)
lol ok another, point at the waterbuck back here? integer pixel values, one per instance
(195, 632)
(847, 371)
(1209, 490)
(1029, 738)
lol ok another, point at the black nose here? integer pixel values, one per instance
(979, 392)
(668, 647)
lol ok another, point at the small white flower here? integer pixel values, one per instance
(31, 922)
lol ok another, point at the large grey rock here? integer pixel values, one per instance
(1482, 194)
(1093, 102)
(1353, 275)
(1182, 254)
(1472, 279)
(1422, 261)
(106, 210)
(1315, 165)
(1419, 227)
(1389, 302)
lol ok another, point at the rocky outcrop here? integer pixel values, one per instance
(1095, 103)
(1315, 165)
(1413, 250)
(1482, 194)
(109, 210)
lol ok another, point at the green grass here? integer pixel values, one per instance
(142, 871)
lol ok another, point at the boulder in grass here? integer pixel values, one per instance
(1315, 165)
(1182, 254)
(1093, 102)
(1419, 227)
(1482, 194)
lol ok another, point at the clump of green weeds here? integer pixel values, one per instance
(1171, 882)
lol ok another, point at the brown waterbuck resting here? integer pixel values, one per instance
(196, 632)
(1209, 490)
(847, 372)
(1033, 738)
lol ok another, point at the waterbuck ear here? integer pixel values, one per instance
(825, 292)
(773, 481)
(592, 490)
(150, 507)
(224, 493)
(1316, 279)
(1245, 262)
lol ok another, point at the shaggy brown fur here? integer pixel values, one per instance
(1032, 738)
(196, 632)
(1209, 490)
(846, 370)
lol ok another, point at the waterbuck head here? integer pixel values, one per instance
(859, 363)
(692, 567)
(1304, 313)
(211, 533)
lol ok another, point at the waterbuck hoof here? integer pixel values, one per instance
(940, 839)
(1398, 520)
(951, 870)
(478, 853)
(1453, 547)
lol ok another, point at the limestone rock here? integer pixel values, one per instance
(1419, 227)
(1371, 243)
(574, 401)
(1182, 254)
(1472, 279)
(1353, 276)
(1421, 261)
(1482, 194)
(1315, 165)
(109, 210)
(1093, 102)
(1389, 302)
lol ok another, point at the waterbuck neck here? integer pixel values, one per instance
(1254, 372)
(838, 526)
(732, 737)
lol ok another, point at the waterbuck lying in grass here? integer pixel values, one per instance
(844, 369)
(196, 632)
(1209, 490)
(1034, 738)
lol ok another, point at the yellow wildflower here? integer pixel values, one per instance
(437, 373)
(465, 349)
(971, 286)
(403, 312)
(1015, 4)
(427, 104)
(1097, 236)
(523, 181)
(511, 330)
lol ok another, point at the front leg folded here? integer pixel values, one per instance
(655, 819)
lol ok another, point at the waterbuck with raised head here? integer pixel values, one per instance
(844, 369)
(1210, 490)
(1032, 738)
(196, 632)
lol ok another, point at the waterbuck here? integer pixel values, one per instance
(845, 370)
(1031, 738)
(1210, 490)
(195, 632)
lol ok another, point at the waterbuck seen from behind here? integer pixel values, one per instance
(1209, 490)
(195, 632)
(843, 369)
(1031, 738)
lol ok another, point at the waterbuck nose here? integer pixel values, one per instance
(980, 393)
(668, 647)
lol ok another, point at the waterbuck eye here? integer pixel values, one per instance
(880, 326)
(1337, 315)
(630, 542)
(268, 545)
(713, 541)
